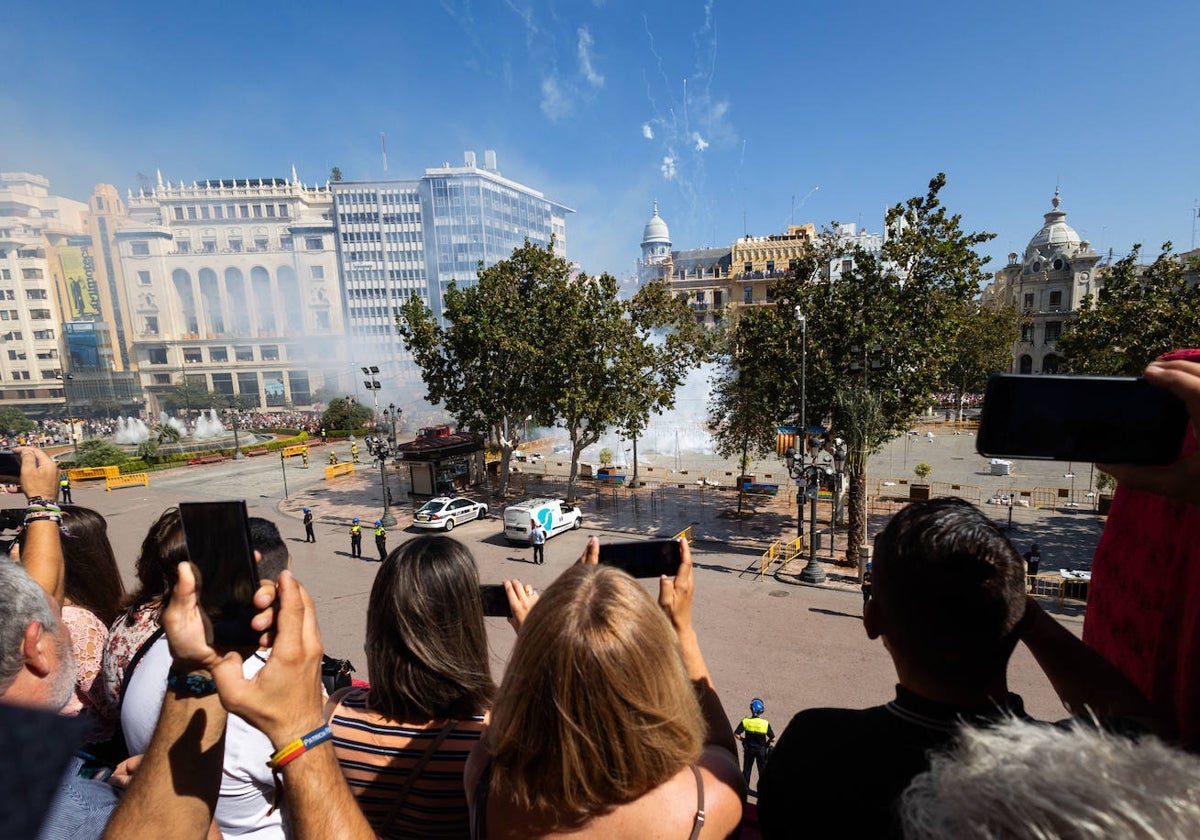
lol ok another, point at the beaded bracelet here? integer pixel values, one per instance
(290, 752)
(47, 516)
(38, 503)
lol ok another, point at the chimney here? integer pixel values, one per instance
(489, 159)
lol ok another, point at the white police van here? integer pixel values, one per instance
(555, 515)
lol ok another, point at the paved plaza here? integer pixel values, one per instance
(794, 646)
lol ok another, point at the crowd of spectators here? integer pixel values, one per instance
(607, 722)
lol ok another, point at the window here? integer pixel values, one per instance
(322, 320)
(49, 373)
(204, 212)
(192, 355)
(270, 211)
(270, 353)
(162, 379)
(258, 214)
(191, 212)
(139, 249)
(244, 211)
(1027, 332)
(48, 354)
(700, 296)
(16, 355)
(283, 211)
(5, 274)
(183, 246)
(218, 354)
(35, 294)
(208, 246)
(244, 354)
(179, 214)
(771, 265)
(1028, 300)
(157, 355)
(1053, 330)
(39, 314)
(20, 374)
(143, 278)
(8, 294)
(1055, 300)
(260, 243)
(717, 297)
(43, 335)
(235, 245)
(31, 274)
(317, 272)
(285, 242)
(151, 325)
(747, 267)
(747, 294)
(312, 243)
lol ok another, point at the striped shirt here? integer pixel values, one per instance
(376, 756)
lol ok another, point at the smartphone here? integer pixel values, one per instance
(643, 558)
(10, 468)
(1105, 419)
(495, 599)
(218, 543)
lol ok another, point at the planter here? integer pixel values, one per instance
(1103, 503)
(918, 492)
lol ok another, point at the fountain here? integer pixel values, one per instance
(209, 426)
(208, 433)
(131, 430)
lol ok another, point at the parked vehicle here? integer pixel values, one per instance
(444, 512)
(555, 515)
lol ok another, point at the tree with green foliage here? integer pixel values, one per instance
(347, 414)
(97, 452)
(491, 364)
(984, 346)
(1140, 313)
(746, 392)
(890, 320)
(188, 395)
(14, 422)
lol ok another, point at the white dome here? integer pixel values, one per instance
(1055, 234)
(656, 229)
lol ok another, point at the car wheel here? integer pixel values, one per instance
(578, 523)
(449, 525)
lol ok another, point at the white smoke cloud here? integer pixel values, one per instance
(668, 167)
(701, 143)
(555, 103)
(584, 51)
(647, 131)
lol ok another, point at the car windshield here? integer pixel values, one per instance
(433, 506)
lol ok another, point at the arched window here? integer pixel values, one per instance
(1026, 364)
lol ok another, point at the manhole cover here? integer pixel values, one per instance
(778, 593)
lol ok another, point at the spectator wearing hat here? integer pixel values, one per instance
(355, 538)
(381, 540)
(309, 536)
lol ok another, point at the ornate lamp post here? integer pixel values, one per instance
(67, 377)
(381, 449)
(807, 471)
(372, 384)
(237, 445)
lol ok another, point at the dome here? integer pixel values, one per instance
(1055, 234)
(656, 229)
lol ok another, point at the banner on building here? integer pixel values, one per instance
(83, 297)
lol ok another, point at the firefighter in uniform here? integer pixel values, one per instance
(354, 452)
(309, 536)
(355, 538)
(381, 540)
(304, 455)
(64, 488)
(332, 457)
(756, 736)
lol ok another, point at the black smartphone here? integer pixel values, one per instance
(495, 599)
(10, 467)
(1105, 419)
(218, 543)
(643, 558)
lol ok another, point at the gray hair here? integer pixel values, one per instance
(1021, 779)
(22, 602)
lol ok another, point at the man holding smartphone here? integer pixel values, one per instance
(537, 538)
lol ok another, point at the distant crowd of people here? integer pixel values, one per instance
(607, 721)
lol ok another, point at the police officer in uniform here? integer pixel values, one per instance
(381, 540)
(64, 488)
(756, 736)
(355, 538)
(309, 536)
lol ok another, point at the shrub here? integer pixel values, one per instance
(922, 470)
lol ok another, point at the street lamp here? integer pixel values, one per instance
(381, 450)
(803, 364)
(237, 446)
(65, 377)
(807, 471)
(372, 384)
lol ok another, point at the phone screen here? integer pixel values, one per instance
(495, 599)
(10, 468)
(643, 558)
(218, 543)
(1105, 419)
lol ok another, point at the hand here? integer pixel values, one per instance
(122, 774)
(591, 552)
(675, 594)
(521, 598)
(1181, 480)
(188, 631)
(39, 473)
(284, 698)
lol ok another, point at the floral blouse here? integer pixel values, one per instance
(128, 633)
(88, 637)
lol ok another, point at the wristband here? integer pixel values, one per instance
(39, 503)
(193, 685)
(290, 752)
(43, 517)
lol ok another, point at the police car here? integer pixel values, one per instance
(444, 512)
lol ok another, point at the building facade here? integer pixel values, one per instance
(1046, 285)
(398, 238)
(233, 284)
(32, 222)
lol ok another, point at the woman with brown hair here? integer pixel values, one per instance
(606, 723)
(402, 743)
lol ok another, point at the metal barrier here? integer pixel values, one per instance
(111, 481)
(969, 492)
(334, 470)
(83, 473)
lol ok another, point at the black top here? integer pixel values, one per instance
(840, 772)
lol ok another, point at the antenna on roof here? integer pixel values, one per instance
(383, 149)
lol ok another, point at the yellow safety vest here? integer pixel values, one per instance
(355, 530)
(757, 725)
(380, 532)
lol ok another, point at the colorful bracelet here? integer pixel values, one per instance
(56, 518)
(38, 503)
(290, 752)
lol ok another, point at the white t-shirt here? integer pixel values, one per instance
(247, 786)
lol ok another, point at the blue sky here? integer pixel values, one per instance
(730, 114)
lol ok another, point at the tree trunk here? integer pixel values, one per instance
(634, 481)
(856, 514)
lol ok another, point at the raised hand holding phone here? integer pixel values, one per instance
(218, 542)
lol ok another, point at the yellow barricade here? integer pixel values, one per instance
(688, 533)
(334, 470)
(297, 449)
(112, 481)
(83, 473)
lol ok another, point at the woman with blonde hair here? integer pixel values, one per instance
(606, 723)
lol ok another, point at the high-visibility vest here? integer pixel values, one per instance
(355, 530)
(756, 725)
(380, 532)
